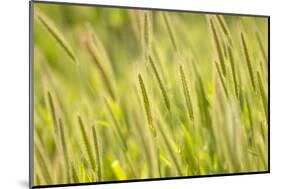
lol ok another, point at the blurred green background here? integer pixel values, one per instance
(228, 133)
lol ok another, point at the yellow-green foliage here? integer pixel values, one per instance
(154, 94)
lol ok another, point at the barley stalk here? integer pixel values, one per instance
(261, 46)
(221, 79)
(252, 137)
(224, 28)
(248, 61)
(50, 26)
(135, 19)
(147, 106)
(218, 46)
(53, 110)
(120, 134)
(99, 48)
(105, 77)
(117, 124)
(147, 33)
(87, 143)
(263, 94)
(64, 149)
(97, 152)
(186, 94)
(149, 156)
(75, 177)
(160, 83)
(44, 166)
(170, 31)
(171, 152)
(233, 71)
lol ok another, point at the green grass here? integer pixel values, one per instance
(155, 94)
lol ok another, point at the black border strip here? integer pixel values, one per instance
(31, 97)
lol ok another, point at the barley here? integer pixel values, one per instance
(224, 28)
(186, 94)
(50, 26)
(170, 31)
(87, 143)
(160, 83)
(218, 46)
(53, 111)
(263, 94)
(97, 152)
(147, 106)
(233, 71)
(248, 61)
(221, 79)
(105, 76)
(261, 46)
(147, 33)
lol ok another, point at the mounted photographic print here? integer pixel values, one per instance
(121, 94)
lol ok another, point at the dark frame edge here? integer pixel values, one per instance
(31, 93)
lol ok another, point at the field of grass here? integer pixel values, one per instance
(134, 94)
